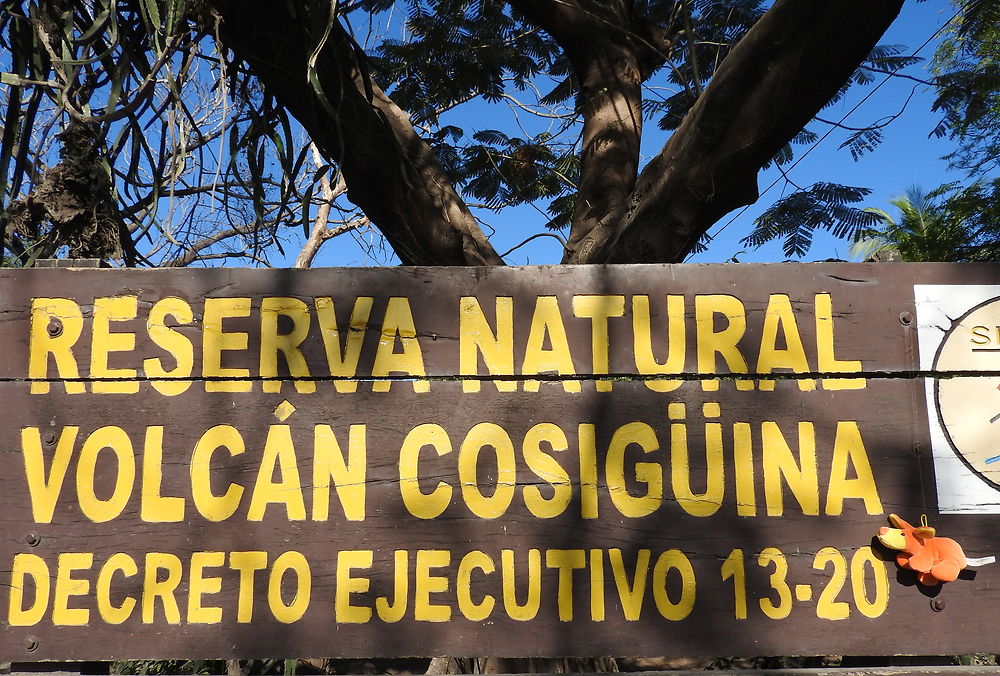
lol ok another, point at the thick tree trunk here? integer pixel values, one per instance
(781, 73)
(392, 174)
(597, 37)
(611, 94)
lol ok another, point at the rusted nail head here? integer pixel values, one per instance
(32, 539)
(31, 644)
(937, 605)
(905, 318)
(50, 437)
(55, 327)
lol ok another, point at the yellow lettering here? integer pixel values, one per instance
(673, 559)
(528, 610)
(153, 587)
(547, 324)
(279, 453)
(67, 586)
(475, 337)
(296, 563)
(115, 439)
(45, 492)
(779, 315)
(642, 339)
(347, 476)
(425, 584)
(25, 566)
(648, 473)
(474, 560)
(343, 361)
(419, 504)
(398, 323)
(780, 464)
(174, 342)
(548, 469)
(44, 313)
(201, 585)
(401, 589)
(980, 335)
(697, 504)
(746, 495)
(848, 449)
(827, 362)
(566, 561)
(347, 585)
(215, 341)
(110, 613)
(247, 563)
(599, 309)
(597, 585)
(272, 342)
(479, 437)
(215, 507)
(724, 342)
(588, 470)
(631, 595)
(155, 508)
(104, 342)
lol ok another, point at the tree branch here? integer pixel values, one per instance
(769, 86)
(565, 20)
(598, 40)
(392, 174)
(193, 252)
(320, 233)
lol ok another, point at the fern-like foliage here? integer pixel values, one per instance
(967, 77)
(503, 171)
(795, 218)
(715, 28)
(192, 155)
(863, 141)
(884, 59)
(457, 50)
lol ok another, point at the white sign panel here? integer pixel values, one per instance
(959, 331)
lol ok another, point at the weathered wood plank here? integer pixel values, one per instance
(265, 503)
(828, 671)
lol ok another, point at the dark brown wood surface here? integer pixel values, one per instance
(594, 529)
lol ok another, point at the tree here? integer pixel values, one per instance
(925, 231)
(207, 118)
(954, 222)
(170, 132)
(967, 79)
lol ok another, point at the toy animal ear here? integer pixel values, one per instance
(924, 532)
(896, 521)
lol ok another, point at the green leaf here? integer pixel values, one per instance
(100, 21)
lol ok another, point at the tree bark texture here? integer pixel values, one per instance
(392, 174)
(598, 38)
(783, 71)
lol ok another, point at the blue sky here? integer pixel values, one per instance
(907, 156)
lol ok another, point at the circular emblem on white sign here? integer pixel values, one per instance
(969, 407)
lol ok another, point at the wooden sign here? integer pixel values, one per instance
(554, 461)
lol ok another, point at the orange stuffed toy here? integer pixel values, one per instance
(935, 559)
